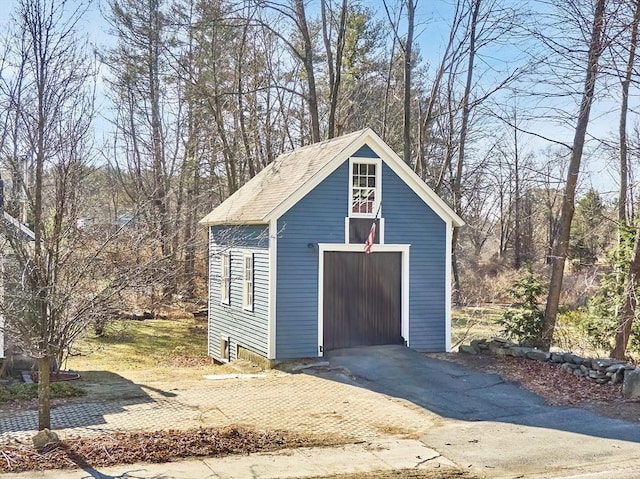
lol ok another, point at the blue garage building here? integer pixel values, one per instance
(288, 273)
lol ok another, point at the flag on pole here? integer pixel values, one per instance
(371, 238)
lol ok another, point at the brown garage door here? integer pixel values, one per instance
(362, 299)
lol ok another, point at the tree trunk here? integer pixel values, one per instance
(630, 301)
(623, 332)
(568, 201)
(312, 98)
(44, 393)
(408, 66)
(466, 110)
(517, 243)
(623, 218)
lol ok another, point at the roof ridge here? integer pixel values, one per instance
(322, 142)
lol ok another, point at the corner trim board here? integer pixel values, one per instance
(271, 302)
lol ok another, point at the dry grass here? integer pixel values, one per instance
(143, 345)
(469, 323)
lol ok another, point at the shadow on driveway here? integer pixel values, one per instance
(452, 391)
(107, 394)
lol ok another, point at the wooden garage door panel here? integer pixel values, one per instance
(362, 299)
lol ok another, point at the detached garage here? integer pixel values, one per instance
(334, 245)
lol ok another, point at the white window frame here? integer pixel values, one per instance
(377, 162)
(248, 275)
(225, 278)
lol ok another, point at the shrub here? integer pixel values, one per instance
(23, 391)
(523, 322)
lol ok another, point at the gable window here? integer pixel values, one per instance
(225, 277)
(247, 287)
(365, 187)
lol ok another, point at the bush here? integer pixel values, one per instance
(23, 391)
(523, 322)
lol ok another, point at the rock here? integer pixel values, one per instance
(614, 368)
(479, 344)
(584, 369)
(631, 384)
(593, 374)
(493, 345)
(520, 351)
(586, 362)
(538, 355)
(557, 358)
(570, 367)
(496, 343)
(578, 372)
(602, 381)
(617, 377)
(572, 358)
(601, 364)
(502, 352)
(467, 349)
(45, 438)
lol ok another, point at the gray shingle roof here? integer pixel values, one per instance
(278, 181)
(281, 184)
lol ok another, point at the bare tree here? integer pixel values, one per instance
(51, 297)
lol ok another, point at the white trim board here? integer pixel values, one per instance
(271, 299)
(447, 286)
(355, 248)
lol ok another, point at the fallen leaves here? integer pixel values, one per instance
(158, 446)
(560, 388)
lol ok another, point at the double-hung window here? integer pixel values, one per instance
(225, 277)
(247, 276)
(365, 188)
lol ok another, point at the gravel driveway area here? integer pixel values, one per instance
(301, 402)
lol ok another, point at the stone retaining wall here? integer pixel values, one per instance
(599, 370)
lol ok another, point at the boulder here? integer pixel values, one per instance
(557, 358)
(538, 355)
(601, 364)
(631, 384)
(467, 349)
(502, 352)
(593, 374)
(614, 368)
(618, 376)
(44, 439)
(479, 344)
(521, 351)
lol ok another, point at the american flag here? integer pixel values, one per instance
(370, 239)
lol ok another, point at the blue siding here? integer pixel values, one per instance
(248, 329)
(317, 218)
(408, 220)
(365, 152)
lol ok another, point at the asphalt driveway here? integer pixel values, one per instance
(494, 427)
